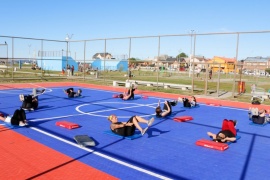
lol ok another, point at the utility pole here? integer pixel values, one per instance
(191, 34)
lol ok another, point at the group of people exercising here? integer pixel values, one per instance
(128, 128)
(227, 134)
(30, 103)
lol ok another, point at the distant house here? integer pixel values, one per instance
(225, 65)
(102, 56)
(199, 62)
(258, 64)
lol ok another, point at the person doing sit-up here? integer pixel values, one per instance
(130, 94)
(167, 108)
(30, 101)
(258, 116)
(71, 94)
(227, 133)
(188, 102)
(128, 128)
(18, 118)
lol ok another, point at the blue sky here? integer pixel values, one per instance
(94, 19)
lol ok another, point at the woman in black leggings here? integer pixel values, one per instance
(19, 118)
(128, 128)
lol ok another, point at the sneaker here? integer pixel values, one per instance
(254, 111)
(21, 124)
(144, 130)
(150, 122)
(21, 96)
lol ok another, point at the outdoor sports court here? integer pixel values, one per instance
(167, 150)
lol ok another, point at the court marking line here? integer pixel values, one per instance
(113, 109)
(49, 89)
(103, 155)
(225, 107)
(83, 113)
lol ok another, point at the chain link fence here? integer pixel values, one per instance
(24, 59)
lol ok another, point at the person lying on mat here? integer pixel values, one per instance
(18, 118)
(188, 102)
(258, 116)
(130, 93)
(128, 128)
(71, 93)
(167, 108)
(227, 133)
(29, 102)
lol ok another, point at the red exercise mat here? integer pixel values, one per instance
(183, 118)
(212, 144)
(66, 124)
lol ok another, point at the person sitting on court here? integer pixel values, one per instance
(71, 93)
(258, 116)
(128, 128)
(191, 102)
(29, 102)
(167, 108)
(130, 93)
(227, 133)
(18, 118)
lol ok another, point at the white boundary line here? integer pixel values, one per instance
(93, 113)
(97, 153)
(102, 155)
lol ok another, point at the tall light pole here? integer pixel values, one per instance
(68, 37)
(191, 33)
(29, 46)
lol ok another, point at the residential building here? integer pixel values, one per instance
(256, 64)
(102, 56)
(223, 64)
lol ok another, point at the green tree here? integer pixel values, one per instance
(132, 61)
(181, 55)
(267, 70)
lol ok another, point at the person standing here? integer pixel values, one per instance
(72, 70)
(210, 74)
(68, 70)
(198, 72)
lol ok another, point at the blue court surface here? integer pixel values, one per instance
(166, 151)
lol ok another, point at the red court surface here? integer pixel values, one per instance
(24, 158)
